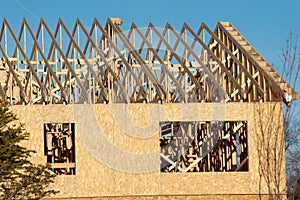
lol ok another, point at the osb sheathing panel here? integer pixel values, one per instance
(183, 197)
(134, 129)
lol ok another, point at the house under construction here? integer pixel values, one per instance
(152, 113)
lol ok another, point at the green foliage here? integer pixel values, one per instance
(19, 178)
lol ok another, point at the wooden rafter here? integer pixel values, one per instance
(142, 91)
(150, 47)
(133, 51)
(279, 87)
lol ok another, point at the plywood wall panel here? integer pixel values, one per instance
(134, 130)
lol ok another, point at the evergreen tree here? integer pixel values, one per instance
(19, 177)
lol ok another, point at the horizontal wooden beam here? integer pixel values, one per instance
(62, 165)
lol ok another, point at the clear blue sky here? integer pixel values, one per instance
(265, 23)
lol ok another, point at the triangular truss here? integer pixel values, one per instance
(106, 64)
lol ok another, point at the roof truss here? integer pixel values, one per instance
(107, 64)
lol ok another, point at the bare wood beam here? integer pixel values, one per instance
(83, 56)
(44, 91)
(211, 77)
(242, 164)
(276, 88)
(182, 93)
(129, 68)
(36, 45)
(125, 95)
(134, 52)
(241, 91)
(197, 84)
(11, 70)
(204, 26)
(66, 60)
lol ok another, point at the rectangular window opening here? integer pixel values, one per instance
(212, 146)
(59, 143)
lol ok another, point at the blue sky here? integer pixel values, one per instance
(266, 24)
